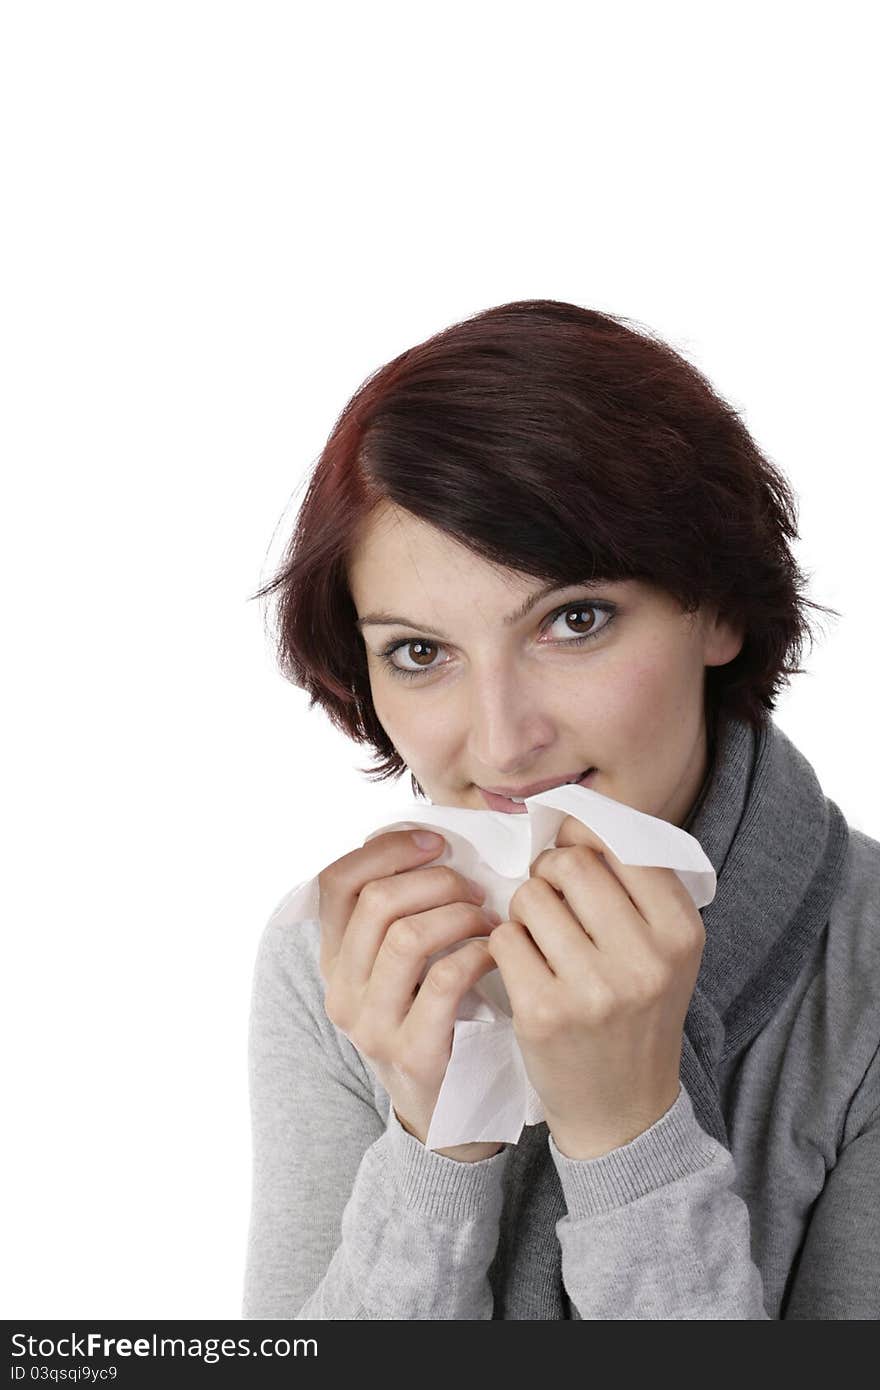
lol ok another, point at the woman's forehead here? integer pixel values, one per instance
(400, 556)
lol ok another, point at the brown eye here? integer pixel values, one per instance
(417, 649)
(585, 615)
(421, 650)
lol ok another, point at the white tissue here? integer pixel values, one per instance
(486, 1095)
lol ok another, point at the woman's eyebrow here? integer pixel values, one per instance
(392, 620)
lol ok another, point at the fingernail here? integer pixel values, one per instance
(494, 917)
(426, 839)
(477, 889)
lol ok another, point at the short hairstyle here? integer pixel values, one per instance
(568, 444)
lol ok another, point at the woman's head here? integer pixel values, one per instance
(537, 444)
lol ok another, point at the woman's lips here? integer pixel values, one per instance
(513, 808)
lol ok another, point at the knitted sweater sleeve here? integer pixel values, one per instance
(351, 1217)
(654, 1230)
(837, 1274)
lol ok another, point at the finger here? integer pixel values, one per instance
(523, 967)
(595, 897)
(429, 1024)
(409, 942)
(384, 901)
(341, 882)
(656, 891)
(558, 935)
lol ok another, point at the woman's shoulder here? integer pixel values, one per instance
(289, 943)
(854, 925)
(288, 986)
(850, 983)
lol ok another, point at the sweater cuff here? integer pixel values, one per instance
(674, 1147)
(436, 1185)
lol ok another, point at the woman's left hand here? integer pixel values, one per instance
(599, 960)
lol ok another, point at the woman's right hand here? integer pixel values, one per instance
(382, 915)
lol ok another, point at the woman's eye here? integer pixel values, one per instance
(577, 619)
(581, 618)
(420, 649)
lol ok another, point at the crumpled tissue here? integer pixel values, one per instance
(486, 1095)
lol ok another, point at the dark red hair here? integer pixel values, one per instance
(567, 444)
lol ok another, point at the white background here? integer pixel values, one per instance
(219, 218)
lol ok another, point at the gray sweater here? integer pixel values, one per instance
(353, 1218)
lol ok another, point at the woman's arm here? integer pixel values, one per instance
(837, 1274)
(654, 1230)
(350, 1218)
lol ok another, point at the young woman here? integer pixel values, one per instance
(540, 546)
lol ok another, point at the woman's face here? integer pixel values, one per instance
(498, 701)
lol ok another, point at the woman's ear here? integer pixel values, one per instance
(723, 641)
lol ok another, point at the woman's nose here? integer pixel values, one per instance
(509, 726)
